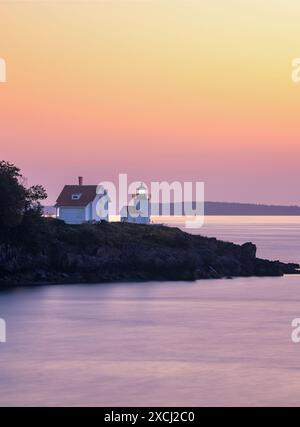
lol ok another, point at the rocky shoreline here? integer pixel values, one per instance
(57, 253)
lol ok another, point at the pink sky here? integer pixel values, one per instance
(159, 90)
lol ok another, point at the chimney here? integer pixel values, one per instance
(80, 180)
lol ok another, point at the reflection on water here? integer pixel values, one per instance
(218, 342)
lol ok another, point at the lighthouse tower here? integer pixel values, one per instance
(142, 203)
(139, 211)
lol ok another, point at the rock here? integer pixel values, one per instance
(248, 250)
(120, 251)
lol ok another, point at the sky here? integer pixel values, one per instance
(163, 90)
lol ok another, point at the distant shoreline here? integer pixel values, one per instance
(248, 209)
(226, 209)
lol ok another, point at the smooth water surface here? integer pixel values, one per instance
(217, 342)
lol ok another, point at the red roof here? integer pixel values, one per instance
(87, 195)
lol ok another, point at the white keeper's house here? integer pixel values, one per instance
(77, 204)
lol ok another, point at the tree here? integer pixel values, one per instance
(17, 201)
(33, 196)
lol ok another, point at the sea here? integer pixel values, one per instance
(204, 343)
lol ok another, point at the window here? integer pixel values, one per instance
(76, 196)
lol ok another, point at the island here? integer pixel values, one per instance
(54, 252)
(35, 249)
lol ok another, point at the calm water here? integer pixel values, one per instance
(275, 237)
(218, 342)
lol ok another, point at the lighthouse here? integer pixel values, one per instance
(139, 210)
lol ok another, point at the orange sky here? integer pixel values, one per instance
(161, 89)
